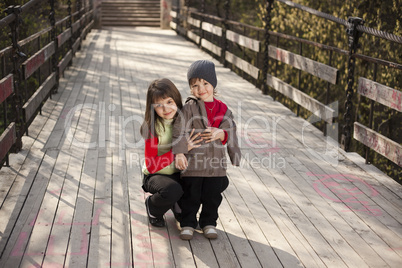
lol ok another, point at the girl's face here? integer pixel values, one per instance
(203, 90)
(165, 108)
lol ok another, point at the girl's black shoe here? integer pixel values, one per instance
(157, 222)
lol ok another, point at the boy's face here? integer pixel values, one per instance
(165, 108)
(202, 90)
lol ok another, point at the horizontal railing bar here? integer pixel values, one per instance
(362, 28)
(10, 18)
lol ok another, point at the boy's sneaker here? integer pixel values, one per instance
(154, 221)
(210, 232)
(186, 233)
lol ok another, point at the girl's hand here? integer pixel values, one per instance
(212, 133)
(181, 162)
(192, 143)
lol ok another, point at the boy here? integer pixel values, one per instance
(204, 168)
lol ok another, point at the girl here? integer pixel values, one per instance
(161, 178)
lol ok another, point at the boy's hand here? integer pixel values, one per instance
(181, 162)
(212, 133)
(192, 143)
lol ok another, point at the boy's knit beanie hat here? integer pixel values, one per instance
(204, 69)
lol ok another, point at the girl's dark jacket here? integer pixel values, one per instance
(208, 160)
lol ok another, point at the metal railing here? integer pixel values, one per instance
(31, 68)
(264, 57)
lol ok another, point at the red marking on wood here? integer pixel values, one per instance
(347, 189)
(379, 143)
(63, 37)
(397, 97)
(7, 139)
(34, 62)
(6, 87)
(23, 238)
(385, 95)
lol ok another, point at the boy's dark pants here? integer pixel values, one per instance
(166, 190)
(201, 190)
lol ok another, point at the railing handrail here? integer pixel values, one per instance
(362, 28)
(11, 17)
(305, 41)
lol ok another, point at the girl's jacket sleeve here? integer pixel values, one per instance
(154, 162)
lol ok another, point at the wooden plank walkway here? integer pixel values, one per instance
(72, 196)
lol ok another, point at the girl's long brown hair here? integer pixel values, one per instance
(158, 89)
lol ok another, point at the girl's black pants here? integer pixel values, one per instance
(166, 191)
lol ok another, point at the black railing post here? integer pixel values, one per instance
(70, 25)
(78, 6)
(202, 21)
(224, 29)
(53, 37)
(17, 58)
(267, 27)
(353, 42)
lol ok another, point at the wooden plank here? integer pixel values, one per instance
(317, 108)
(6, 87)
(44, 211)
(244, 41)
(334, 240)
(173, 25)
(39, 58)
(173, 13)
(315, 68)
(256, 231)
(120, 245)
(21, 255)
(194, 22)
(76, 25)
(209, 27)
(242, 64)
(87, 29)
(23, 187)
(377, 92)
(282, 229)
(76, 45)
(64, 216)
(193, 36)
(350, 236)
(7, 139)
(64, 62)
(63, 37)
(38, 97)
(379, 143)
(211, 47)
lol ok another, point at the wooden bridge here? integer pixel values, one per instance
(72, 197)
